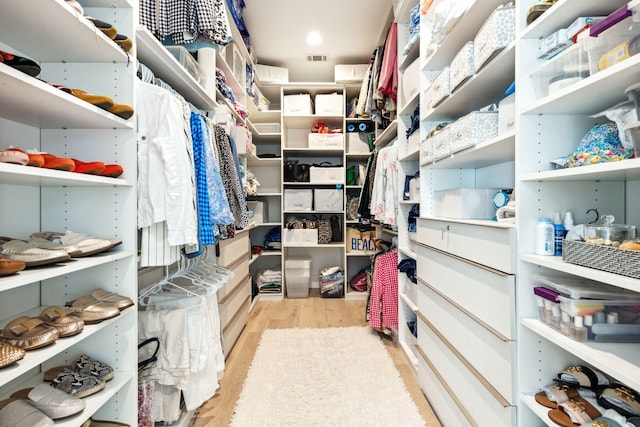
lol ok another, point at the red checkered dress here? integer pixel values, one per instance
(383, 308)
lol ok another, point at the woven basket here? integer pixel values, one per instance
(625, 262)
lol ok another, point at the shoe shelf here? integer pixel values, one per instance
(486, 86)
(617, 360)
(353, 295)
(34, 358)
(389, 134)
(628, 169)
(28, 276)
(541, 411)
(28, 175)
(262, 116)
(409, 106)
(274, 161)
(497, 150)
(165, 66)
(305, 121)
(408, 252)
(38, 104)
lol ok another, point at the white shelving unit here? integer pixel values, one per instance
(35, 115)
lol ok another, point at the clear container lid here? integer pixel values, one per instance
(578, 288)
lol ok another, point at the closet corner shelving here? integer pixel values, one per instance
(35, 115)
(560, 121)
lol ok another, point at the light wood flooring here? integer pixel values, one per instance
(312, 312)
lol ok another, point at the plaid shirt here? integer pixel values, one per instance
(383, 308)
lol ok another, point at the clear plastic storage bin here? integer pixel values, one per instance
(189, 63)
(563, 70)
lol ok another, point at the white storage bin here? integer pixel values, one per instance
(426, 150)
(298, 266)
(298, 104)
(236, 63)
(242, 138)
(496, 33)
(410, 82)
(326, 140)
(357, 143)
(465, 203)
(413, 142)
(329, 105)
(351, 73)
(260, 214)
(300, 236)
(462, 66)
(269, 74)
(474, 128)
(563, 70)
(441, 143)
(328, 200)
(439, 89)
(318, 174)
(189, 63)
(298, 200)
(507, 114)
(297, 285)
(267, 127)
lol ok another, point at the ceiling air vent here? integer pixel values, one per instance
(317, 58)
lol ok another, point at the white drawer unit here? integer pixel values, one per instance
(491, 246)
(233, 301)
(240, 269)
(233, 249)
(232, 330)
(481, 403)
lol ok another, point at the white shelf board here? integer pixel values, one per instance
(481, 222)
(556, 263)
(269, 194)
(464, 30)
(262, 135)
(541, 411)
(315, 245)
(409, 202)
(408, 108)
(231, 80)
(76, 39)
(305, 121)
(495, 151)
(408, 302)
(408, 352)
(356, 187)
(624, 170)
(34, 358)
(315, 183)
(271, 297)
(264, 254)
(404, 10)
(408, 252)
(262, 116)
(410, 157)
(389, 134)
(352, 254)
(257, 161)
(165, 66)
(578, 98)
(33, 176)
(411, 55)
(620, 360)
(313, 151)
(35, 103)
(487, 85)
(357, 156)
(225, 102)
(109, 3)
(563, 12)
(29, 275)
(353, 295)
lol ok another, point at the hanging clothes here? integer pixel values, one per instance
(388, 82)
(384, 197)
(364, 202)
(383, 303)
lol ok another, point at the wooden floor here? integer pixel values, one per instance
(312, 312)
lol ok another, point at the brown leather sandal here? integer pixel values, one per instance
(63, 320)
(29, 333)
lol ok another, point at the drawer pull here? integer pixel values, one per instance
(504, 402)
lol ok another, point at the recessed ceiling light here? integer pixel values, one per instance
(314, 38)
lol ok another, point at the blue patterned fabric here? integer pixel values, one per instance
(218, 203)
(206, 232)
(600, 145)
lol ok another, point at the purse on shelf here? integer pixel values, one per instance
(294, 171)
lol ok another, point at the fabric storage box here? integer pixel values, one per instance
(474, 128)
(329, 105)
(267, 127)
(496, 33)
(298, 104)
(465, 203)
(188, 62)
(351, 73)
(563, 70)
(326, 174)
(236, 63)
(300, 236)
(328, 200)
(439, 89)
(269, 74)
(614, 39)
(358, 143)
(326, 140)
(260, 214)
(461, 66)
(296, 200)
(507, 114)
(242, 138)
(410, 86)
(426, 150)
(441, 143)
(413, 142)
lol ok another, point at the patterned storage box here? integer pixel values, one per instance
(474, 128)
(441, 143)
(496, 33)
(426, 151)
(625, 262)
(462, 66)
(439, 89)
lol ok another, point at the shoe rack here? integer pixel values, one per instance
(35, 115)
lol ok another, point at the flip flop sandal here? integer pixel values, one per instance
(582, 376)
(35, 159)
(58, 163)
(91, 310)
(124, 42)
(29, 333)
(574, 412)
(10, 354)
(76, 384)
(112, 171)
(12, 156)
(553, 394)
(63, 320)
(20, 63)
(622, 399)
(83, 365)
(108, 29)
(99, 101)
(20, 413)
(122, 110)
(52, 402)
(89, 168)
(602, 422)
(119, 301)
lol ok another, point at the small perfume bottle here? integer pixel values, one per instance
(566, 326)
(580, 333)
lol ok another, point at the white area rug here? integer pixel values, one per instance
(324, 377)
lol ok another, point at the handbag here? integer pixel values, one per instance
(359, 281)
(294, 171)
(360, 239)
(324, 231)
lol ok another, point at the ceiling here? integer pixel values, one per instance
(350, 29)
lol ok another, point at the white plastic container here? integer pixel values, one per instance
(544, 237)
(297, 277)
(465, 203)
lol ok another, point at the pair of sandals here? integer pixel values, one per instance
(108, 29)
(584, 396)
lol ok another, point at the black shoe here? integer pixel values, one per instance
(25, 65)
